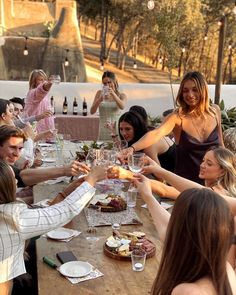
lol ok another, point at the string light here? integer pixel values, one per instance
(219, 23)
(26, 52)
(183, 50)
(135, 65)
(150, 4)
(160, 60)
(66, 59)
(230, 47)
(205, 37)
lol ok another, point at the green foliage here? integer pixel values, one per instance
(49, 27)
(228, 116)
(154, 121)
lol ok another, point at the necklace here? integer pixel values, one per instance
(200, 129)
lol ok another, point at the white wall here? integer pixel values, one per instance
(156, 98)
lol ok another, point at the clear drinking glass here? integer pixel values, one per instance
(55, 79)
(138, 258)
(131, 196)
(136, 162)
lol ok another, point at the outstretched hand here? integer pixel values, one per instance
(143, 185)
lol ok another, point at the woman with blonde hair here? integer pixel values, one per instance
(37, 100)
(196, 126)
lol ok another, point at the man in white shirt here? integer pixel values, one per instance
(11, 144)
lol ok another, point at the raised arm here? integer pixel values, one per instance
(96, 102)
(160, 215)
(37, 175)
(155, 135)
(120, 100)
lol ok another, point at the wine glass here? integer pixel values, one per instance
(55, 79)
(90, 158)
(136, 162)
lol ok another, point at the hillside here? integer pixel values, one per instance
(143, 74)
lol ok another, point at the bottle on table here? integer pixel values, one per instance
(85, 111)
(53, 105)
(65, 107)
(75, 107)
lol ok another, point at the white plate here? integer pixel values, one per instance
(49, 160)
(44, 144)
(75, 269)
(60, 234)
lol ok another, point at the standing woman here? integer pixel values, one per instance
(196, 126)
(37, 100)
(109, 101)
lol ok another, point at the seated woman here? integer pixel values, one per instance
(132, 127)
(19, 223)
(110, 101)
(200, 219)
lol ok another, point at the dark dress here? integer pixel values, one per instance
(190, 152)
(167, 159)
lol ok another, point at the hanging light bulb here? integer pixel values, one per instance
(219, 23)
(230, 47)
(150, 4)
(160, 60)
(205, 37)
(183, 50)
(66, 63)
(135, 65)
(26, 52)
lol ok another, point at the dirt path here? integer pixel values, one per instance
(143, 74)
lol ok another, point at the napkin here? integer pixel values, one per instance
(163, 204)
(95, 273)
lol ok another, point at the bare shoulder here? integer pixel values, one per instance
(193, 289)
(216, 108)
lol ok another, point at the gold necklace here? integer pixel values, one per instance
(200, 131)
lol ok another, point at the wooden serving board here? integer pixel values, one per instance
(106, 208)
(113, 255)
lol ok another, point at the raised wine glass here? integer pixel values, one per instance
(136, 162)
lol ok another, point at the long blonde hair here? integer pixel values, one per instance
(227, 161)
(33, 76)
(203, 106)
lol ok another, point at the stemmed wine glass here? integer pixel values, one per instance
(136, 162)
(55, 79)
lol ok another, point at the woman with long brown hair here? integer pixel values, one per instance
(196, 126)
(197, 238)
(19, 223)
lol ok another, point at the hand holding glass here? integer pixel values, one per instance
(55, 79)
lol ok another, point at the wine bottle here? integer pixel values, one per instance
(53, 105)
(65, 107)
(75, 107)
(85, 108)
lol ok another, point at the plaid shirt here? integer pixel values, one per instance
(19, 223)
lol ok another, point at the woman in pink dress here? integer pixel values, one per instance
(37, 100)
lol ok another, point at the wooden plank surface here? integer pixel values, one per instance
(119, 278)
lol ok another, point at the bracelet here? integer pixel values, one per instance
(114, 136)
(62, 194)
(133, 148)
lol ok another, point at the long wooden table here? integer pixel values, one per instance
(79, 127)
(119, 278)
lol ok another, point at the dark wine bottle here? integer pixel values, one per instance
(85, 112)
(53, 105)
(65, 107)
(75, 107)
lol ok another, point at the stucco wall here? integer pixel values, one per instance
(156, 98)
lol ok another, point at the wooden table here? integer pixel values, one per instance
(119, 278)
(79, 127)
